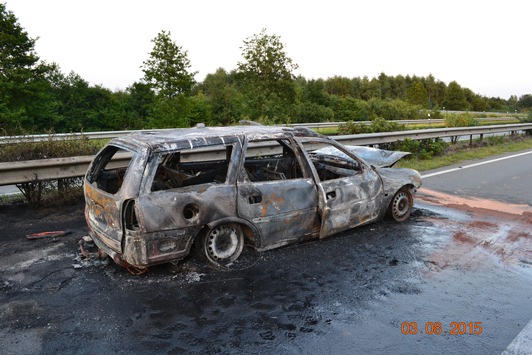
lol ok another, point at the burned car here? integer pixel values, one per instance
(151, 196)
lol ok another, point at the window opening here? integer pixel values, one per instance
(330, 161)
(110, 169)
(192, 167)
(267, 162)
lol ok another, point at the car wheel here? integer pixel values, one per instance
(401, 205)
(223, 244)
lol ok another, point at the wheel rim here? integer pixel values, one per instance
(401, 205)
(222, 243)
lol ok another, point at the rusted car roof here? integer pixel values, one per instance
(182, 138)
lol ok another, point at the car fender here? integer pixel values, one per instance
(395, 178)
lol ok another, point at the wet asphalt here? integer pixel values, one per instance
(351, 293)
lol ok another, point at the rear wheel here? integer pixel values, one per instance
(401, 205)
(223, 244)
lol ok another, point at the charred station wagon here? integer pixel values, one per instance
(150, 196)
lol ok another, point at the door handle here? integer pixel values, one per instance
(330, 195)
(255, 199)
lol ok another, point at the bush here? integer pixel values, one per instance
(50, 147)
(309, 112)
(62, 190)
(460, 120)
(527, 119)
(421, 149)
(349, 109)
(377, 125)
(393, 109)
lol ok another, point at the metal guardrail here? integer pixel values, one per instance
(60, 168)
(46, 169)
(405, 122)
(114, 134)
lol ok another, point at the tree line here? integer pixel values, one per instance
(36, 96)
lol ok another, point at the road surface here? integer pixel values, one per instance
(455, 278)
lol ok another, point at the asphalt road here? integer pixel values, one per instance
(508, 179)
(455, 278)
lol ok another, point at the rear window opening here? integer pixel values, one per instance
(110, 168)
(195, 167)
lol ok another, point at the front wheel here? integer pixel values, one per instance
(401, 205)
(223, 244)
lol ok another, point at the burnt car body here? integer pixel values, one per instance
(150, 196)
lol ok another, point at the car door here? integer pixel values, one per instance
(350, 192)
(276, 193)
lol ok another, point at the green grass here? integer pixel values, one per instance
(462, 152)
(332, 131)
(490, 123)
(328, 131)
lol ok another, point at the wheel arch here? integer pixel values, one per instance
(251, 233)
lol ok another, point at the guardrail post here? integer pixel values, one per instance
(470, 140)
(481, 137)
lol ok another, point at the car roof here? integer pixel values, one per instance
(187, 138)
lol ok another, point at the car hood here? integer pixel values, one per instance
(377, 157)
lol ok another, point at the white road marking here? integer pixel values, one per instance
(474, 165)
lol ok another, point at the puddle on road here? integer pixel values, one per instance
(482, 231)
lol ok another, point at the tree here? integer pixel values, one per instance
(24, 96)
(314, 91)
(399, 87)
(435, 91)
(167, 69)
(416, 94)
(525, 102)
(223, 96)
(139, 104)
(370, 89)
(455, 98)
(17, 55)
(266, 60)
(386, 85)
(267, 75)
(339, 86)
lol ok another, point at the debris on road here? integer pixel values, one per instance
(89, 254)
(194, 277)
(51, 234)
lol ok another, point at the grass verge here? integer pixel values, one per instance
(461, 152)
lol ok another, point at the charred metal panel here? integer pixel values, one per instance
(377, 157)
(395, 178)
(158, 247)
(372, 156)
(186, 207)
(107, 185)
(351, 201)
(103, 217)
(282, 211)
(135, 251)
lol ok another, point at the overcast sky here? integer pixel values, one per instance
(483, 45)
